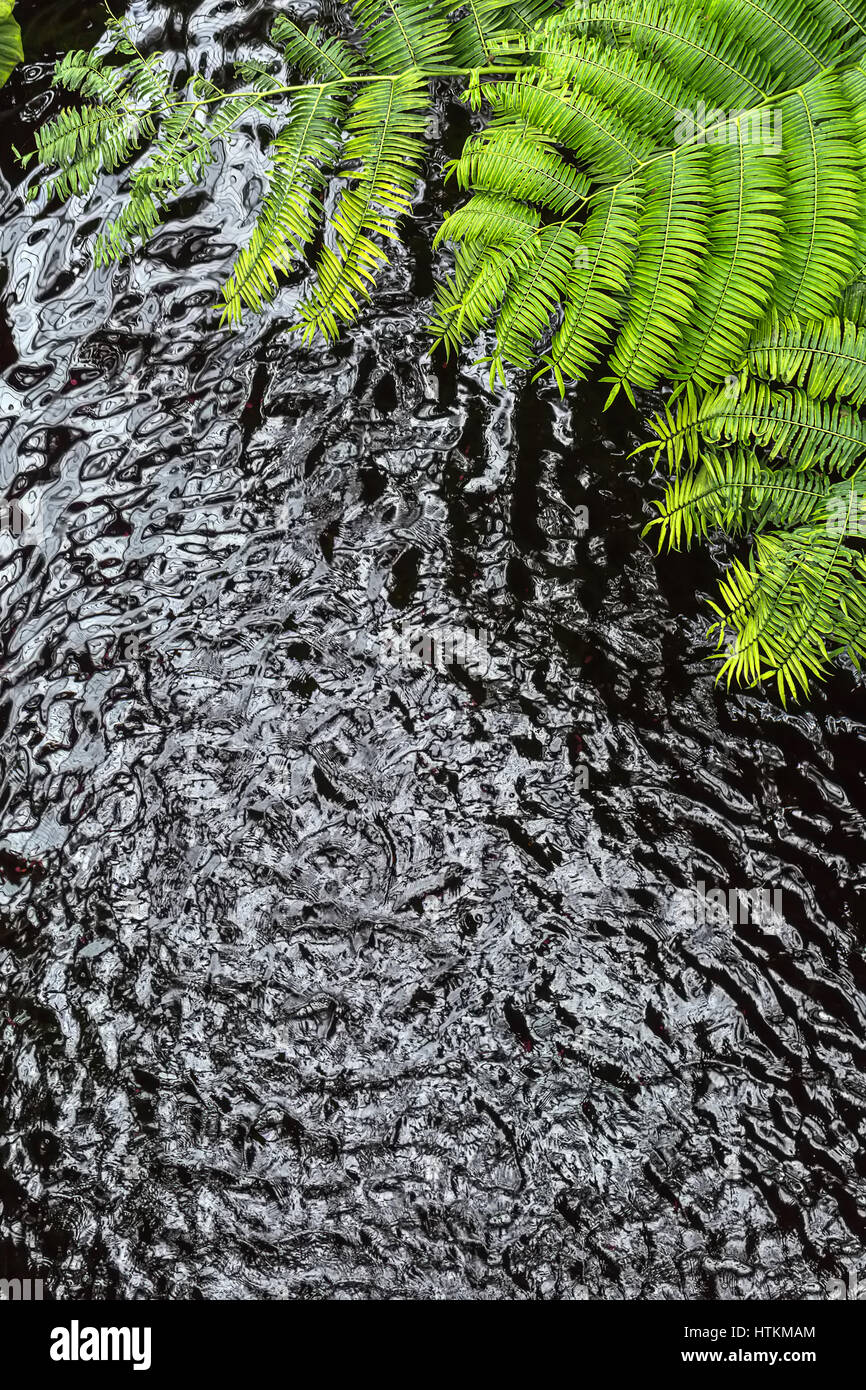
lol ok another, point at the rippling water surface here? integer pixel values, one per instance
(323, 975)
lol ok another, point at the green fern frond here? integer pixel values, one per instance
(826, 358)
(800, 41)
(852, 303)
(127, 101)
(400, 35)
(302, 154)
(532, 297)
(798, 604)
(809, 433)
(84, 143)
(733, 491)
(136, 222)
(609, 148)
(385, 123)
(252, 74)
(673, 241)
(491, 219)
(646, 94)
(88, 74)
(822, 205)
(847, 17)
(523, 166)
(476, 34)
(185, 147)
(481, 280)
(314, 53)
(708, 54)
(596, 285)
(735, 280)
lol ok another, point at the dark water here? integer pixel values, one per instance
(322, 976)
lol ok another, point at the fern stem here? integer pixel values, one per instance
(424, 74)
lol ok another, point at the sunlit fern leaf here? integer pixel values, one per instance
(595, 291)
(821, 205)
(489, 218)
(733, 491)
(385, 124)
(523, 165)
(84, 143)
(127, 101)
(403, 34)
(798, 603)
(450, 306)
(724, 66)
(136, 222)
(646, 94)
(89, 74)
(735, 279)
(315, 54)
(526, 15)
(826, 358)
(673, 238)
(853, 80)
(785, 423)
(11, 52)
(150, 83)
(302, 156)
(800, 41)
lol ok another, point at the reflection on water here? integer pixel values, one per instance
(333, 974)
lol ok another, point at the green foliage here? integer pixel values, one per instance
(11, 52)
(799, 599)
(385, 127)
(301, 155)
(356, 120)
(810, 433)
(735, 213)
(671, 188)
(799, 603)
